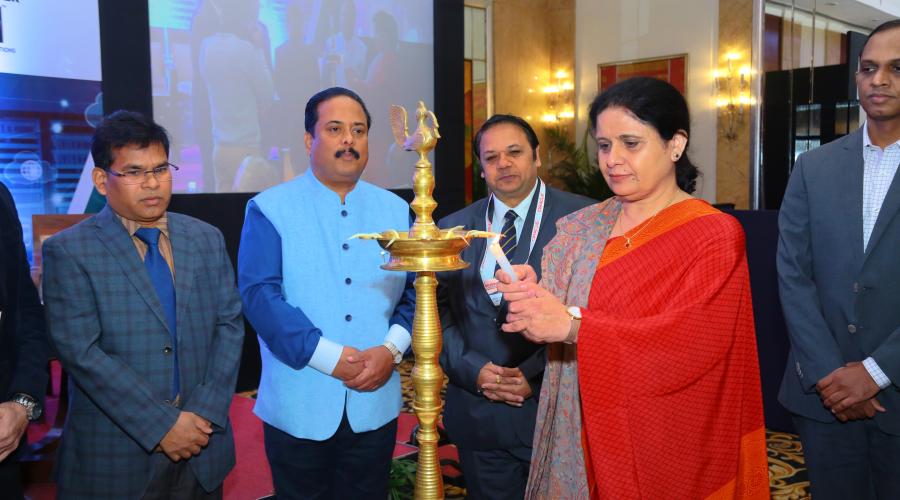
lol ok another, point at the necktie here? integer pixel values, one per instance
(508, 245)
(161, 277)
(508, 235)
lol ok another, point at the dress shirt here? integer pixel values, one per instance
(880, 166)
(489, 262)
(286, 329)
(165, 245)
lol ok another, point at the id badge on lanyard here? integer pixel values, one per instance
(490, 285)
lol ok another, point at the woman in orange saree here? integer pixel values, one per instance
(661, 398)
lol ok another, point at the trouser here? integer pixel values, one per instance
(346, 465)
(495, 474)
(176, 481)
(851, 460)
(10, 480)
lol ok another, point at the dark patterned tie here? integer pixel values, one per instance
(508, 236)
(161, 277)
(508, 244)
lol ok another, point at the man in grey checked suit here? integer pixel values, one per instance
(153, 360)
(839, 275)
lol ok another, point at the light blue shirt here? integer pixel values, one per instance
(489, 262)
(879, 169)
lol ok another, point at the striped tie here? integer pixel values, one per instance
(508, 236)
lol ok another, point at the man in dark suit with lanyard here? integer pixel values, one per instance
(495, 378)
(24, 348)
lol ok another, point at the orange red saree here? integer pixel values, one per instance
(667, 377)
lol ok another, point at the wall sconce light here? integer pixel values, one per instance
(559, 99)
(732, 94)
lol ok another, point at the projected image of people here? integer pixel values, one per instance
(231, 77)
(343, 61)
(240, 89)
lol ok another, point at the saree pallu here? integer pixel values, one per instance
(667, 384)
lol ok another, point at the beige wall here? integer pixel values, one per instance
(620, 30)
(733, 160)
(532, 39)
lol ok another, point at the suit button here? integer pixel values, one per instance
(348, 317)
(348, 280)
(343, 213)
(167, 350)
(856, 288)
(851, 328)
(345, 246)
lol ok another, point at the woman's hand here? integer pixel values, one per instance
(533, 311)
(524, 273)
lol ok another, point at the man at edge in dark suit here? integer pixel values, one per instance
(494, 377)
(23, 348)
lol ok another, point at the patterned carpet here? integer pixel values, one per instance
(787, 473)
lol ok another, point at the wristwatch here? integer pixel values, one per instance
(33, 409)
(398, 356)
(575, 317)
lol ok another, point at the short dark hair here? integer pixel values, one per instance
(512, 120)
(885, 26)
(312, 106)
(658, 104)
(125, 128)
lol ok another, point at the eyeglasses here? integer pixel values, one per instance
(162, 173)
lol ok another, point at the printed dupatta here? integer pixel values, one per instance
(568, 266)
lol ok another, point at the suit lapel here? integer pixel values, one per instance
(850, 173)
(888, 211)
(113, 235)
(523, 243)
(185, 258)
(474, 255)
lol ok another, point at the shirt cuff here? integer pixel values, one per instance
(876, 373)
(326, 356)
(400, 337)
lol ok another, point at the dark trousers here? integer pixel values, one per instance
(346, 465)
(176, 481)
(10, 480)
(495, 474)
(852, 460)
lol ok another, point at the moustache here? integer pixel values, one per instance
(342, 152)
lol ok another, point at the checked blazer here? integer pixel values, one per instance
(111, 335)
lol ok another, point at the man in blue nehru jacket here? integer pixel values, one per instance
(332, 324)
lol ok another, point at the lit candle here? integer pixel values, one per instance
(502, 260)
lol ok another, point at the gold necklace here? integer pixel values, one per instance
(650, 221)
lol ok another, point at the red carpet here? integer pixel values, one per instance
(251, 477)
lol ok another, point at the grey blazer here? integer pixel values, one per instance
(112, 338)
(841, 303)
